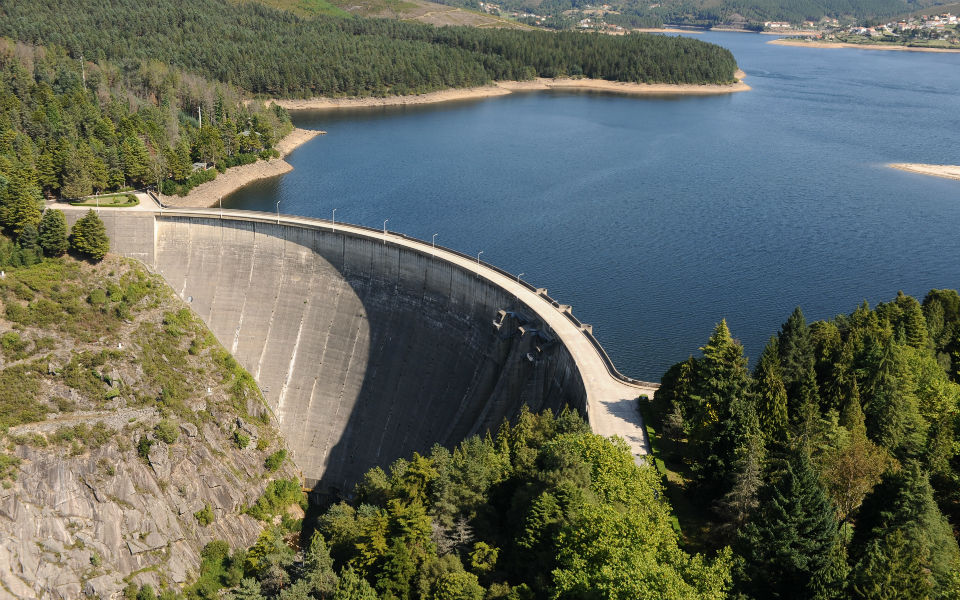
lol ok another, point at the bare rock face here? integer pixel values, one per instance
(79, 525)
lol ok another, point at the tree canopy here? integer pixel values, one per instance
(276, 53)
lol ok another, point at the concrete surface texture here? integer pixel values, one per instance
(370, 346)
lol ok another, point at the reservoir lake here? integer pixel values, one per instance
(656, 217)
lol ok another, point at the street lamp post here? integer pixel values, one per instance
(478, 262)
(519, 276)
(334, 220)
(278, 212)
(385, 230)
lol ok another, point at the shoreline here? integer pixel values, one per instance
(502, 88)
(833, 45)
(942, 171)
(208, 194)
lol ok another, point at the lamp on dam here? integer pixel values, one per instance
(385, 230)
(278, 212)
(333, 220)
(478, 262)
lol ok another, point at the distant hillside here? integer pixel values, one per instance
(421, 11)
(278, 53)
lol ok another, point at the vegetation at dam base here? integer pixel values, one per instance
(542, 509)
(276, 53)
(833, 468)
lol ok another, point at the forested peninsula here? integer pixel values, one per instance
(274, 53)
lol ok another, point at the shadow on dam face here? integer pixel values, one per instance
(365, 351)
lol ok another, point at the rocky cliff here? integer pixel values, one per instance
(128, 437)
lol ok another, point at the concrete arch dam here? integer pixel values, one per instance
(370, 346)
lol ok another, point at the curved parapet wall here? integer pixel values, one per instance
(370, 346)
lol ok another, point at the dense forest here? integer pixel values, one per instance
(267, 51)
(542, 509)
(832, 469)
(71, 128)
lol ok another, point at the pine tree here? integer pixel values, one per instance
(891, 568)
(792, 535)
(53, 233)
(723, 413)
(397, 571)
(771, 395)
(904, 501)
(318, 567)
(88, 237)
(797, 361)
(353, 587)
(29, 238)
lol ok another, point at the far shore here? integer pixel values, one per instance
(208, 194)
(816, 44)
(502, 88)
(945, 171)
(667, 30)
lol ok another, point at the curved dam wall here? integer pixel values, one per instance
(369, 347)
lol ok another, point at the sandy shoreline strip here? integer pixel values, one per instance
(502, 88)
(815, 44)
(945, 171)
(208, 194)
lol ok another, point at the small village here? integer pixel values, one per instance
(933, 30)
(922, 29)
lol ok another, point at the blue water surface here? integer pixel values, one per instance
(657, 217)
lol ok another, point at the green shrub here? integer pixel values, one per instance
(19, 396)
(8, 466)
(241, 439)
(97, 297)
(279, 494)
(204, 516)
(143, 447)
(167, 431)
(273, 462)
(13, 347)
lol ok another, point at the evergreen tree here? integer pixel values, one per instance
(318, 569)
(723, 415)
(771, 395)
(891, 568)
(88, 237)
(352, 586)
(397, 572)
(797, 361)
(53, 233)
(904, 501)
(890, 404)
(29, 238)
(791, 537)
